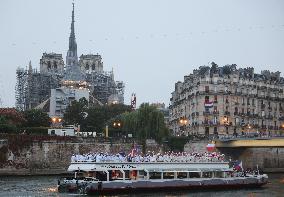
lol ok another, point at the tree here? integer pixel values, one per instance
(145, 123)
(76, 112)
(36, 118)
(100, 116)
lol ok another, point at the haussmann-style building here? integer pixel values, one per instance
(228, 100)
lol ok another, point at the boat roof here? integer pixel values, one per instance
(149, 166)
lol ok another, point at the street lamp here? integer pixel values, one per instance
(282, 128)
(183, 121)
(56, 121)
(226, 124)
(117, 124)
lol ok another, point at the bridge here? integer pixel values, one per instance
(249, 142)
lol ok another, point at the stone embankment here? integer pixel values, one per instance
(46, 155)
(50, 155)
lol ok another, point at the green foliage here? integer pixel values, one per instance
(36, 130)
(95, 118)
(36, 118)
(3, 120)
(145, 123)
(7, 128)
(177, 143)
(75, 113)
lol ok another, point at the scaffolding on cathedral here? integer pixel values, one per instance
(33, 88)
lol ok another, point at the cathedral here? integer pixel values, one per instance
(58, 83)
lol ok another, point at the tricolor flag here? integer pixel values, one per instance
(208, 104)
(210, 147)
(238, 166)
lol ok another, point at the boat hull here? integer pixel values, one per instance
(112, 187)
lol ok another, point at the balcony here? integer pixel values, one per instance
(207, 113)
(236, 103)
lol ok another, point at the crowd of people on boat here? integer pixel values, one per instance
(149, 157)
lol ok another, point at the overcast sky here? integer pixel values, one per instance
(150, 44)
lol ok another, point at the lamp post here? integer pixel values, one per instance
(56, 121)
(117, 124)
(226, 124)
(183, 121)
(249, 127)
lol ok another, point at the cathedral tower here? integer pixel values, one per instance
(73, 72)
(71, 58)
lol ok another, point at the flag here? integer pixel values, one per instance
(208, 104)
(238, 166)
(133, 151)
(210, 147)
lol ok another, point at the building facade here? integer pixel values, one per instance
(33, 88)
(226, 100)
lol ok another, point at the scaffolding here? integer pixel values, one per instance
(33, 88)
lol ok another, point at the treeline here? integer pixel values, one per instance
(147, 122)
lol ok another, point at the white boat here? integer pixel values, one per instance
(122, 177)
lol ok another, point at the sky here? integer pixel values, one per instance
(150, 44)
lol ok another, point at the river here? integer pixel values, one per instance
(46, 186)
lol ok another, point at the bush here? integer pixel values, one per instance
(8, 128)
(36, 130)
(177, 143)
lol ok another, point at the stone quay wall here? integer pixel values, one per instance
(25, 155)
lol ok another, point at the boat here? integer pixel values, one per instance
(115, 176)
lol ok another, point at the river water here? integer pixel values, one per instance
(46, 186)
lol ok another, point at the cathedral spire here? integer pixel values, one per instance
(72, 39)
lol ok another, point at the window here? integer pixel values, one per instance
(236, 110)
(206, 99)
(215, 98)
(55, 65)
(206, 88)
(87, 66)
(215, 130)
(48, 65)
(93, 67)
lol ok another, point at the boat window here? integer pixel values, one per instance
(155, 175)
(207, 174)
(194, 174)
(169, 175)
(182, 175)
(219, 174)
